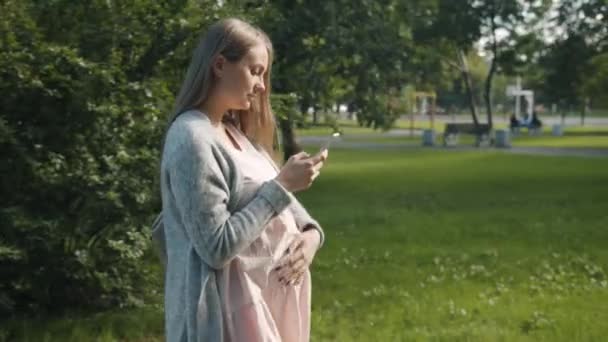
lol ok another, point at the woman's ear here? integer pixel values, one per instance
(218, 66)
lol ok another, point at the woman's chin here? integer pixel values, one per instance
(245, 105)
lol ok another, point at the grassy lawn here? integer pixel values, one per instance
(565, 141)
(574, 136)
(586, 130)
(382, 139)
(461, 246)
(326, 130)
(352, 128)
(546, 140)
(138, 325)
(433, 245)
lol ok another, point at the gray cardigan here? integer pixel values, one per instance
(201, 228)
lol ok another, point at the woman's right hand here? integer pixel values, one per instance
(300, 171)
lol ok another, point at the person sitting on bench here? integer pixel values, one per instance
(514, 123)
(535, 123)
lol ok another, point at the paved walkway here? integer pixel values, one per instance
(545, 151)
(548, 120)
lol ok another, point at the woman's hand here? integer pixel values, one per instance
(300, 171)
(298, 257)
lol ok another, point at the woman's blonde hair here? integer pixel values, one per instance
(231, 38)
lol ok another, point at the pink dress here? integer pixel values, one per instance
(256, 306)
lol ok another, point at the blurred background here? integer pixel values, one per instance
(465, 199)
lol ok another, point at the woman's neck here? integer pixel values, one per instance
(214, 110)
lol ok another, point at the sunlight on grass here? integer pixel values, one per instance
(564, 141)
(435, 245)
(460, 246)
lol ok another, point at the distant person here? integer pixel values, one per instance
(514, 123)
(237, 243)
(535, 123)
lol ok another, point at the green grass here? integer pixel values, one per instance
(352, 128)
(564, 141)
(595, 130)
(382, 139)
(326, 130)
(438, 124)
(460, 246)
(440, 246)
(546, 140)
(139, 325)
(568, 130)
(574, 136)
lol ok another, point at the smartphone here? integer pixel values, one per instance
(329, 140)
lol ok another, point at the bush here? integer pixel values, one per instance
(79, 166)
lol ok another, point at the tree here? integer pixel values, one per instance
(451, 28)
(564, 64)
(595, 84)
(81, 125)
(454, 28)
(572, 64)
(514, 19)
(585, 18)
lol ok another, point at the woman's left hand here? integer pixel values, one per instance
(298, 257)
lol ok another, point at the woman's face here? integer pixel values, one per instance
(242, 81)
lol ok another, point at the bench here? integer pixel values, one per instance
(534, 125)
(452, 130)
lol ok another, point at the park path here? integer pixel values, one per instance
(410, 145)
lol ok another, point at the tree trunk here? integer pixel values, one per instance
(487, 94)
(288, 138)
(466, 76)
(304, 104)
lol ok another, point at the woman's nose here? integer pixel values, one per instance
(259, 87)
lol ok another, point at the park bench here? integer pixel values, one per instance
(453, 130)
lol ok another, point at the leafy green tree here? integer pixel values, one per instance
(595, 83)
(81, 125)
(572, 66)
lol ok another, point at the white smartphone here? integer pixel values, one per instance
(330, 139)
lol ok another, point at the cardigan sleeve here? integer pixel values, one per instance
(303, 219)
(201, 194)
